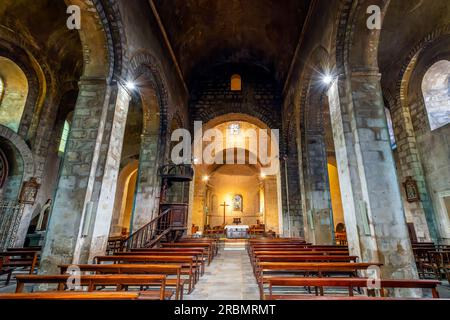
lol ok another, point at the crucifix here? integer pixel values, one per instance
(224, 205)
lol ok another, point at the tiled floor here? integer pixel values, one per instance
(229, 277)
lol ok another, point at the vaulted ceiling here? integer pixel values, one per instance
(205, 32)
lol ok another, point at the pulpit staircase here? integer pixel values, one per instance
(171, 222)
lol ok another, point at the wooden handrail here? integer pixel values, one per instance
(144, 236)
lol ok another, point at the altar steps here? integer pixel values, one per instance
(234, 244)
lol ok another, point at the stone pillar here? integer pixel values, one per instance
(148, 184)
(373, 211)
(420, 213)
(318, 191)
(271, 195)
(107, 173)
(292, 200)
(91, 159)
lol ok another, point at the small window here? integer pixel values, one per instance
(390, 129)
(235, 129)
(236, 83)
(436, 94)
(64, 136)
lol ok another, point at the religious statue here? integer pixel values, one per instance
(237, 202)
(43, 214)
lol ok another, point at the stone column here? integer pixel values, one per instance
(420, 213)
(373, 211)
(318, 191)
(73, 221)
(107, 176)
(271, 195)
(148, 184)
(292, 200)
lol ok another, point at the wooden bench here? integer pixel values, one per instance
(265, 269)
(287, 253)
(198, 255)
(196, 245)
(166, 269)
(346, 298)
(122, 295)
(204, 251)
(12, 260)
(92, 282)
(253, 249)
(349, 283)
(304, 258)
(190, 267)
(213, 242)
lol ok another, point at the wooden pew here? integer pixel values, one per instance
(122, 295)
(166, 269)
(187, 262)
(264, 270)
(304, 258)
(253, 249)
(214, 242)
(198, 255)
(204, 251)
(191, 245)
(294, 253)
(92, 282)
(12, 260)
(349, 283)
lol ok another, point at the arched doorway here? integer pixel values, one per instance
(233, 180)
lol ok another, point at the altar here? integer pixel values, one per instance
(236, 231)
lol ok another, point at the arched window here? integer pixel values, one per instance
(236, 82)
(13, 93)
(436, 94)
(64, 136)
(390, 128)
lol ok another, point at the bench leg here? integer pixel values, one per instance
(8, 278)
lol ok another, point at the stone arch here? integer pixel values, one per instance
(356, 45)
(97, 59)
(22, 148)
(124, 198)
(144, 70)
(14, 93)
(39, 75)
(314, 181)
(412, 56)
(12, 225)
(410, 115)
(144, 63)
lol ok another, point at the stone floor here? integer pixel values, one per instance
(229, 277)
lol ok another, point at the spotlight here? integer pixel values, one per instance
(130, 85)
(327, 79)
(205, 178)
(195, 160)
(263, 175)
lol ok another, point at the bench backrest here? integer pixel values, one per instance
(305, 258)
(93, 281)
(352, 283)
